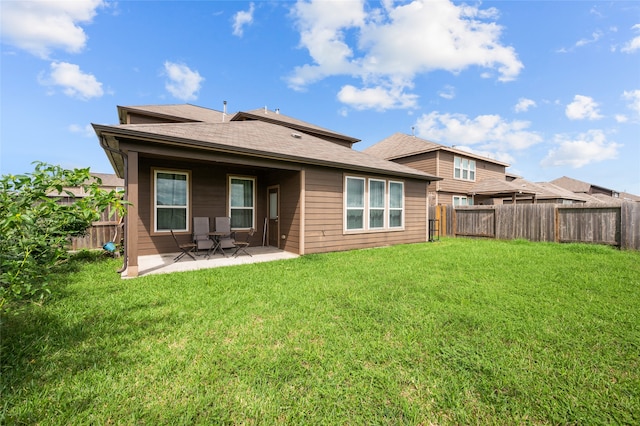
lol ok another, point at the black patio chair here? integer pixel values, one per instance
(185, 248)
(241, 246)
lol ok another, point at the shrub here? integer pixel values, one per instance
(36, 227)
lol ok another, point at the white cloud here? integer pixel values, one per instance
(584, 149)
(633, 97)
(183, 83)
(376, 98)
(241, 19)
(74, 82)
(583, 107)
(633, 44)
(447, 92)
(86, 131)
(621, 118)
(491, 135)
(595, 36)
(386, 47)
(524, 104)
(40, 26)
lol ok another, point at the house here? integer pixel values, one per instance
(301, 186)
(596, 192)
(521, 191)
(460, 170)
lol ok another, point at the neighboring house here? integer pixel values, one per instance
(597, 193)
(521, 191)
(300, 186)
(459, 170)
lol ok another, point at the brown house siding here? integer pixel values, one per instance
(208, 198)
(324, 215)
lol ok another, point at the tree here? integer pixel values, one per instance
(36, 228)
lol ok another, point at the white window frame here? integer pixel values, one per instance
(461, 200)
(363, 209)
(401, 208)
(464, 169)
(186, 207)
(252, 179)
(384, 204)
(366, 203)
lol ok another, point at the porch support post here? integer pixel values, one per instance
(132, 215)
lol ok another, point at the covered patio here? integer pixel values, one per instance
(164, 264)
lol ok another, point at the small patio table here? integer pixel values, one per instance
(215, 236)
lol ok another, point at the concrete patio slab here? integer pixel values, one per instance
(164, 264)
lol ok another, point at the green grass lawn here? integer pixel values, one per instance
(455, 332)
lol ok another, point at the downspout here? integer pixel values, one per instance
(125, 158)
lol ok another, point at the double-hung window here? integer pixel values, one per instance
(170, 200)
(355, 203)
(242, 202)
(373, 204)
(462, 201)
(377, 203)
(396, 204)
(464, 168)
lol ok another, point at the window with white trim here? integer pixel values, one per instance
(170, 200)
(464, 168)
(396, 204)
(462, 201)
(373, 204)
(354, 203)
(377, 203)
(242, 202)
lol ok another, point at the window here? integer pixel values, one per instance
(171, 200)
(376, 203)
(462, 201)
(355, 203)
(381, 202)
(242, 202)
(396, 204)
(464, 169)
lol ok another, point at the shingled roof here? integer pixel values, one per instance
(400, 145)
(175, 112)
(259, 139)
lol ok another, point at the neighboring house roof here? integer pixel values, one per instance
(629, 197)
(500, 188)
(546, 190)
(259, 139)
(109, 181)
(401, 145)
(576, 185)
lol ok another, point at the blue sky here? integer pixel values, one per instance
(550, 87)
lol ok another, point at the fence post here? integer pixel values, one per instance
(630, 226)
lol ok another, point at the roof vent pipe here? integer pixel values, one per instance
(265, 109)
(277, 110)
(224, 109)
(413, 131)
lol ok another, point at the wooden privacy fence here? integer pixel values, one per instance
(101, 232)
(613, 225)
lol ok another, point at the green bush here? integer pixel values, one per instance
(36, 228)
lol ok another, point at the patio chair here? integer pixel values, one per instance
(201, 234)
(241, 246)
(223, 225)
(185, 248)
